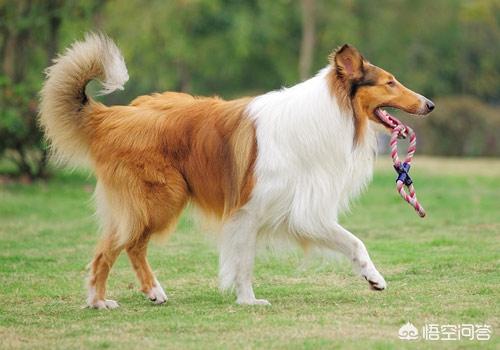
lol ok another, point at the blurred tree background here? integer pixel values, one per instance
(445, 49)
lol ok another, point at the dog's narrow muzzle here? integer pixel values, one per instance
(429, 104)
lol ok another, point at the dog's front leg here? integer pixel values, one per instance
(237, 254)
(340, 239)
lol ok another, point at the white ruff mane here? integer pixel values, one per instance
(307, 166)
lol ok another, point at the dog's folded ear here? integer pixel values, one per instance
(347, 62)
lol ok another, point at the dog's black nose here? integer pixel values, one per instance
(430, 105)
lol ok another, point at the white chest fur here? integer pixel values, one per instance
(307, 167)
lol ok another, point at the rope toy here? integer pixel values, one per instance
(402, 168)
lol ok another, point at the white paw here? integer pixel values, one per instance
(374, 278)
(99, 304)
(157, 295)
(253, 302)
(105, 304)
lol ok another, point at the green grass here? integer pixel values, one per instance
(443, 269)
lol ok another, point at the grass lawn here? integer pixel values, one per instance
(443, 269)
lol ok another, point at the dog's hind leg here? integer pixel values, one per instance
(237, 254)
(164, 203)
(106, 254)
(149, 284)
(340, 239)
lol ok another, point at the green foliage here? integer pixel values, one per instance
(20, 137)
(234, 48)
(207, 47)
(29, 38)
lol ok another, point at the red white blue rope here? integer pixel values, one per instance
(402, 168)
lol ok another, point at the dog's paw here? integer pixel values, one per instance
(375, 279)
(156, 294)
(253, 302)
(105, 304)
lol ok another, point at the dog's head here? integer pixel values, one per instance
(369, 88)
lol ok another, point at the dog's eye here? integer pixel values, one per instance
(391, 83)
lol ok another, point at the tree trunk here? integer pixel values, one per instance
(41, 172)
(16, 44)
(308, 38)
(54, 25)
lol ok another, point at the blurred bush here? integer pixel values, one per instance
(460, 126)
(236, 48)
(30, 33)
(21, 140)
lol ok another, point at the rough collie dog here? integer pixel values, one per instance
(286, 162)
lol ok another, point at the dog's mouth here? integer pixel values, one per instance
(386, 119)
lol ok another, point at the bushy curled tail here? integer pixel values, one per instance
(64, 104)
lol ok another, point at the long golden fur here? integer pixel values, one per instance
(150, 157)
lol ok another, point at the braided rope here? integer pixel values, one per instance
(403, 131)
